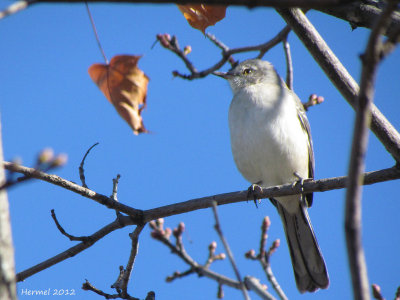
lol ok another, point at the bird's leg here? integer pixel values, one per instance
(301, 182)
(254, 192)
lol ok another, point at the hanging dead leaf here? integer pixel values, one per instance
(125, 86)
(201, 16)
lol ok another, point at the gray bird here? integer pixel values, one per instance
(271, 145)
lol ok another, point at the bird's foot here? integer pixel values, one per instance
(300, 181)
(254, 192)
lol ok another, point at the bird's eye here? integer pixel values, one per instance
(247, 71)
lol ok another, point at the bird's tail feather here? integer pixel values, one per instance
(308, 264)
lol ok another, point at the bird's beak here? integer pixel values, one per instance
(225, 75)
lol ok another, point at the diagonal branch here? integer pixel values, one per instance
(370, 60)
(217, 227)
(129, 266)
(120, 222)
(340, 77)
(135, 214)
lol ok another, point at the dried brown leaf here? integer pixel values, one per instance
(201, 16)
(125, 87)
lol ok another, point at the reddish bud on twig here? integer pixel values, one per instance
(60, 160)
(250, 254)
(266, 223)
(212, 246)
(220, 256)
(187, 49)
(274, 246)
(156, 234)
(376, 292)
(168, 232)
(152, 225)
(45, 156)
(164, 39)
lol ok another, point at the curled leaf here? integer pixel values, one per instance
(201, 16)
(125, 87)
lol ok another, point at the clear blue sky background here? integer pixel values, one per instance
(48, 100)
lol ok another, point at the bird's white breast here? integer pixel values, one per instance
(268, 142)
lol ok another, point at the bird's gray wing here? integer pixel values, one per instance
(301, 114)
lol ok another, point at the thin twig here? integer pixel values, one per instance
(228, 251)
(340, 77)
(84, 239)
(95, 33)
(376, 292)
(87, 286)
(164, 235)
(371, 58)
(135, 214)
(312, 101)
(134, 250)
(289, 64)
(81, 169)
(171, 44)
(121, 222)
(264, 257)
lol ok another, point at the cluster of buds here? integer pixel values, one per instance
(211, 254)
(164, 39)
(251, 254)
(275, 245)
(313, 100)
(47, 160)
(159, 232)
(172, 43)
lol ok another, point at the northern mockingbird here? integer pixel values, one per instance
(271, 145)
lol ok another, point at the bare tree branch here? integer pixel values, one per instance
(139, 216)
(339, 76)
(217, 227)
(362, 14)
(171, 43)
(129, 266)
(120, 222)
(63, 232)
(370, 60)
(163, 236)
(264, 257)
(135, 214)
(87, 286)
(272, 192)
(289, 64)
(81, 169)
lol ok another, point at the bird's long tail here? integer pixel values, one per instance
(308, 264)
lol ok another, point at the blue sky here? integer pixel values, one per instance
(47, 99)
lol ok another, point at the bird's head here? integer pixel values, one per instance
(249, 72)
